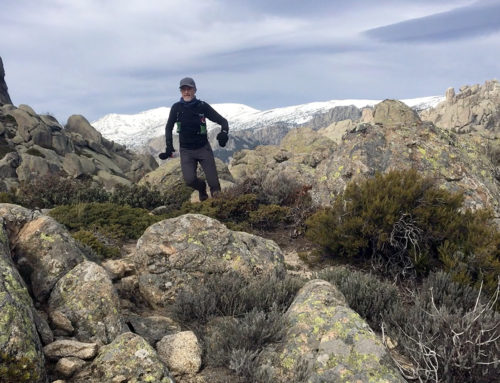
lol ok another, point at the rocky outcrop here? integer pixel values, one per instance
(474, 109)
(91, 332)
(21, 356)
(87, 298)
(33, 145)
(169, 175)
(328, 342)
(296, 158)
(4, 93)
(129, 358)
(396, 139)
(175, 251)
(45, 252)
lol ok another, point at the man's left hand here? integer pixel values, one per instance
(222, 137)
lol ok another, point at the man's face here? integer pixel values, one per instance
(187, 93)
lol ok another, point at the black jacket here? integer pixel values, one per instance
(191, 125)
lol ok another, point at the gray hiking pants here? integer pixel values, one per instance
(189, 164)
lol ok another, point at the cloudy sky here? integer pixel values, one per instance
(95, 57)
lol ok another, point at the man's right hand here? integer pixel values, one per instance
(169, 151)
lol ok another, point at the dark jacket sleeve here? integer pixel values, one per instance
(212, 115)
(169, 126)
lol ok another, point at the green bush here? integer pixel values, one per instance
(53, 190)
(150, 197)
(402, 222)
(114, 221)
(99, 246)
(268, 216)
(228, 210)
(7, 197)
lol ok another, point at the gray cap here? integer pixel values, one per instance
(187, 81)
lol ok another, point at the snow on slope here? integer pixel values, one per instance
(134, 130)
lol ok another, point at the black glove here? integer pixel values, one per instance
(222, 137)
(168, 153)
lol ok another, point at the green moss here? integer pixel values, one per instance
(46, 237)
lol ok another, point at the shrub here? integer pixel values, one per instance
(232, 295)
(7, 197)
(176, 195)
(401, 222)
(236, 317)
(251, 332)
(114, 221)
(451, 333)
(53, 190)
(366, 294)
(275, 189)
(228, 210)
(268, 216)
(98, 245)
(149, 197)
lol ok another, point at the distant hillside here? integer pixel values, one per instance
(249, 127)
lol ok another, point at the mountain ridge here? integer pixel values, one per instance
(135, 130)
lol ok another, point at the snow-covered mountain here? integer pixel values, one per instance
(135, 130)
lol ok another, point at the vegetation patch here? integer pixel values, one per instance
(116, 222)
(406, 226)
(99, 243)
(237, 317)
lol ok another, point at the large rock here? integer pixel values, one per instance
(4, 93)
(169, 173)
(475, 108)
(152, 328)
(394, 113)
(15, 217)
(330, 342)
(80, 125)
(396, 139)
(172, 252)
(21, 356)
(301, 150)
(42, 147)
(45, 252)
(456, 164)
(86, 296)
(129, 358)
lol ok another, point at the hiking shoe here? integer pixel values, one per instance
(202, 195)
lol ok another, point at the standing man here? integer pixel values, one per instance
(188, 115)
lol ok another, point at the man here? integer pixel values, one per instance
(189, 115)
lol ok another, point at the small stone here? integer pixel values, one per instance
(68, 366)
(117, 268)
(60, 321)
(181, 352)
(68, 348)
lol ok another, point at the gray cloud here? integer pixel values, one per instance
(92, 57)
(465, 22)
